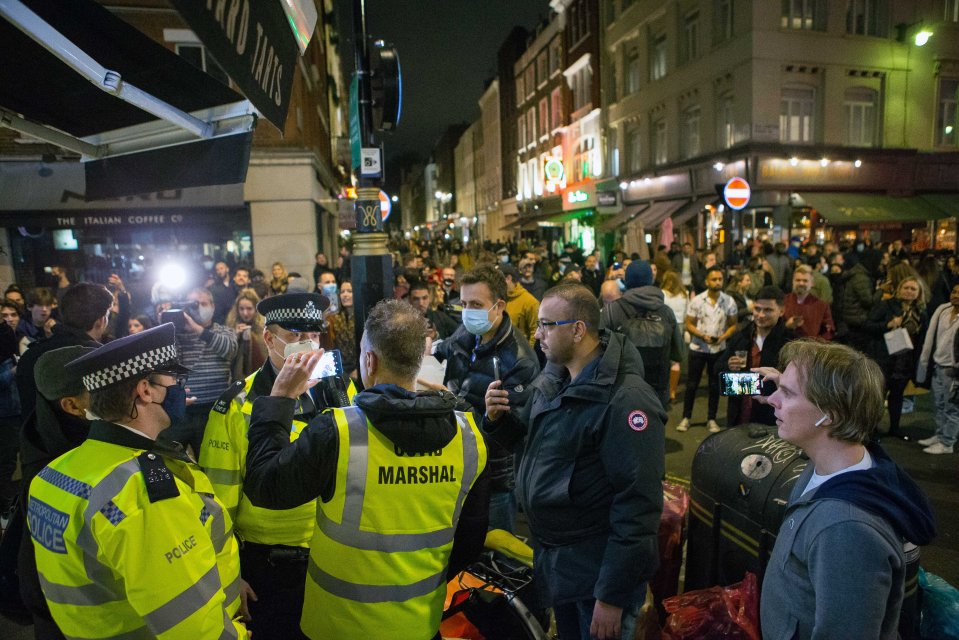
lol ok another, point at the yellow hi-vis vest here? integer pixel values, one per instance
(382, 543)
(114, 564)
(223, 458)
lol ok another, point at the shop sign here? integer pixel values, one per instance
(115, 218)
(253, 43)
(606, 198)
(577, 196)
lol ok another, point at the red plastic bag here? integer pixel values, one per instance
(726, 613)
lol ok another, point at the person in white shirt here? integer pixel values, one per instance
(937, 365)
(710, 320)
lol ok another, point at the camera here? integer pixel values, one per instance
(175, 313)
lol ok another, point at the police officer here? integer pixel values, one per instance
(130, 540)
(274, 548)
(401, 503)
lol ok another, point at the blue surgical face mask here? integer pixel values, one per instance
(477, 321)
(174, 404)
(329, 290)
(622, 285)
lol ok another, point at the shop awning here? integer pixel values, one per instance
(616, 221)
(528, 222)
(947, 202)
(856, 208)
(685, 213)
(142, 118)
(659, 211)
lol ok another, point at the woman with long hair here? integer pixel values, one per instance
(280, 279)
(344, 330)
(676, 298)
(248, 324)
(906, 310)
(139, 323)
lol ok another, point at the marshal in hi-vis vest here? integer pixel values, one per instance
(382, 543)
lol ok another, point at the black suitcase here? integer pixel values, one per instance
(740, 485)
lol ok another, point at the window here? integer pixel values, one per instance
(197, 55)
(796, 114)
(690, 132)
(544, 116)
(657, 60)
(583, 161)
(951, 13)
(530, 80)
(722, 20)
(660, 152)
(556, 120)
(804, 14)
(531, 124)
(634, 150)
(521, 133)
(582, 85)
(520, 90)
(691, 36)
(633, 70)
(555, 56)
(574, 12)
(542, 65)
(727, 122)
(866, 17)
(860, 110)
(946, 114)
(611, 6)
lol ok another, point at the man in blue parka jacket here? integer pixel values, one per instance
(590, 475)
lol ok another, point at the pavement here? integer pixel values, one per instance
(937, 475)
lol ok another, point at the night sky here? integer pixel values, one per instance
(447, 52)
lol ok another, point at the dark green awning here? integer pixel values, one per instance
(853, 208)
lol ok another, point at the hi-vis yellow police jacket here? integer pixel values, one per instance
(131, 542)
(382, 543)
(223, 458)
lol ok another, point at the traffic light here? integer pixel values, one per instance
(386, 85)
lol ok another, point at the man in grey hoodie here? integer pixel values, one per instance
(838, 567)
(649, 323)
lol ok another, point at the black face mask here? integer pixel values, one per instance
(448, 283)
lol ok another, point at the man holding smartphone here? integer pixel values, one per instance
(757, 344)
(273, 557)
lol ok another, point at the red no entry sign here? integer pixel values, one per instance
(737, 193)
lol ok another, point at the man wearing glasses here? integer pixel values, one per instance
(590, 475)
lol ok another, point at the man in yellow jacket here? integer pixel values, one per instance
(522, 307)
(402, 502)
(275, 544)
(130, 540)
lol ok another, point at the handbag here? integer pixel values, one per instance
(897, 341)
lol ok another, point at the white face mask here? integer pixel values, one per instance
(302, 346)
(204, 314)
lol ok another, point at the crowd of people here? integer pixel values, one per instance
(560, 366)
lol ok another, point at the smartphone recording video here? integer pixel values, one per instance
(329, 366)
(740, 384)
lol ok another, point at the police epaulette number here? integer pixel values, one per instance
(159, 480)
(222, 404)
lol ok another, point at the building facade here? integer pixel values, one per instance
(285, 211)
(841, 116)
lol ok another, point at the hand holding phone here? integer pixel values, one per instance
(329, 366)
(740, 384)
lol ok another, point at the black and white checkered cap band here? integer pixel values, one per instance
(308, 313)
(141, 363)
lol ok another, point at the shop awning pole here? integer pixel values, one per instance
(109, 81)
(15, 122)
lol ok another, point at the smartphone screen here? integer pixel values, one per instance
(741, 384)
(496, 374)
(330, 365)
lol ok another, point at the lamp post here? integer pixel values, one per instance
(374, 93)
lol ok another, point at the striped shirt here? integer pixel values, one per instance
(210, 356)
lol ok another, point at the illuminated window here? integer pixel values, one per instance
(556, 120)
(727, 125)
(946, 115)
(633, 70)
(809, 15)
(797, 105)
(634, 149)
(660, 142)
(690, 132)
(657, 62)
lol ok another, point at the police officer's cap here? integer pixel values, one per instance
(151, 351)
(295, 311)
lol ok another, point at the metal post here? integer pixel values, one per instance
(371, 265)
